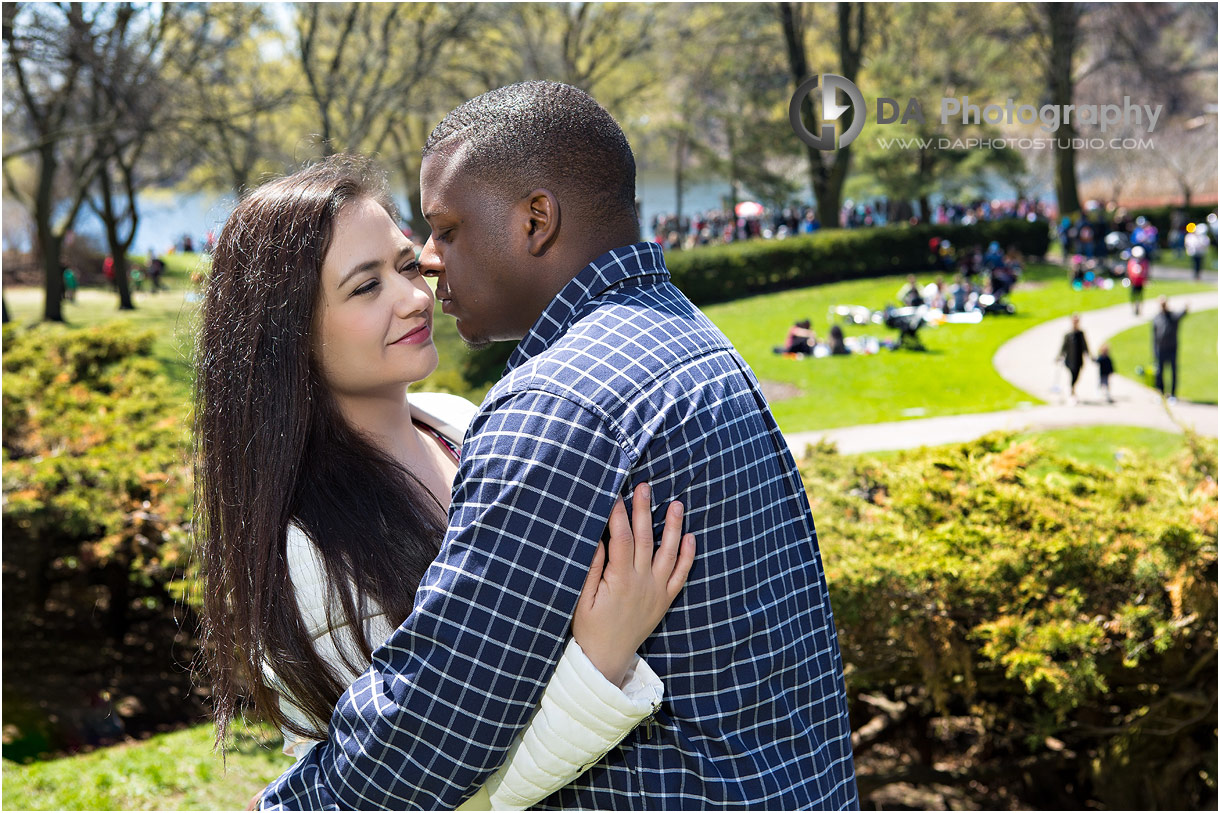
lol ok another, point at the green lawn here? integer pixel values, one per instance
(1197, 358)
(1095, 445)
(176, 771)
(954, 376)
(1168, 258)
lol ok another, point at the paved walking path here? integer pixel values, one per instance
(1028, 362)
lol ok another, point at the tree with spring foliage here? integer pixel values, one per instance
(45, 59)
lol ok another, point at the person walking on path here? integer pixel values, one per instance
(1073, 352)
(1137, 275)
(1165, 347)
(1197, 244)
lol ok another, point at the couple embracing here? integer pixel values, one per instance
(445, 605)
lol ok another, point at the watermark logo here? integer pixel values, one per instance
(1049, 117)
(831, 110)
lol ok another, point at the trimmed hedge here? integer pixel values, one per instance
(1046, 628)
(719, 273)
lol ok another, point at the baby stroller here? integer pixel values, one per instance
(907, 321)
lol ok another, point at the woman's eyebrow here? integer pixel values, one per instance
(367, 265)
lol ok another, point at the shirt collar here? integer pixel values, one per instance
(607, 271)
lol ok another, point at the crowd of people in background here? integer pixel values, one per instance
(1101, 241)
(749, 220)
(992, 271)
(983, 278)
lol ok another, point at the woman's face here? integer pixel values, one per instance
(374, 318)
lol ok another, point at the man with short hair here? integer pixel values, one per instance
(618, 379)
(1165, 347)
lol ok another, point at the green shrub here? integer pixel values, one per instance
(94, 455)
(1071, 616)
(96, 506)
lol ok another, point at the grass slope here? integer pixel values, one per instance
(953, 377)
(1197, 358)
(1096, 445)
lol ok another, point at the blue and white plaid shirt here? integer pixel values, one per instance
(621, 380)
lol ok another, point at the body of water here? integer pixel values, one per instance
(166, 216)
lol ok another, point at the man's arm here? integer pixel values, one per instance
(449, 690)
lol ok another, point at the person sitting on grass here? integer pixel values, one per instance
(962, 296)
(801, 339)
(935, 294)
(836, 342)
(1014, 261)
(909, 294)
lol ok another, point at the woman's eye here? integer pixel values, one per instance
(367, 287)
(410, 268)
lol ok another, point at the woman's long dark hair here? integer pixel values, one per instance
(271, 447)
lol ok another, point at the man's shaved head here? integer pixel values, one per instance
(544, 135)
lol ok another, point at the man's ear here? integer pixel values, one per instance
(541, 219)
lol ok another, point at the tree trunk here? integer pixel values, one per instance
(826, 178)
(732, 141)
(798, 66)
(925, 209)
(49, 243)
(679, 167)
(409, 165)
(118, 247)
(419, 227)
(1064, 27)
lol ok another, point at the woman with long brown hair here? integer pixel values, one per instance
(322, 488)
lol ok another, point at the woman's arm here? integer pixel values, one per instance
(584, 711)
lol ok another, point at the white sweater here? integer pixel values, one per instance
(580, 717)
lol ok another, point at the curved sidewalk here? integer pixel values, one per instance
(1028, 362)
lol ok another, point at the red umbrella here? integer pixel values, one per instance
(748, 208)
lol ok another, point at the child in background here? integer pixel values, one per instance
(1105, 367)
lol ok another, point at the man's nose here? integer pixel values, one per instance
(430, 259)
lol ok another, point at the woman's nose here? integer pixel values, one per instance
(414, 296)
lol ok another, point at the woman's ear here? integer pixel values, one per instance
(542, 220)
